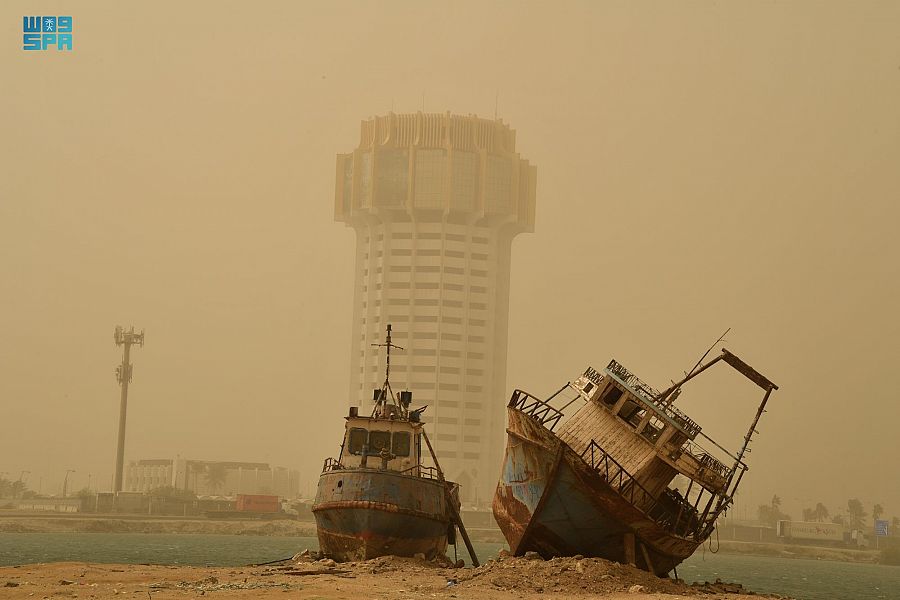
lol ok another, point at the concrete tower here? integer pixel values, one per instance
(436, 200)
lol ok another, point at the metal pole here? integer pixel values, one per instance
(126, 339)
(123, 408)
(453, 510)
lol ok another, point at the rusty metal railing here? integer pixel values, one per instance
(332, 464)
(425, 472)
(712, 463)
(649, 394)
(624, 483)
(545, 414)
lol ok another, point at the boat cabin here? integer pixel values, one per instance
(393, 444)
(620, 405)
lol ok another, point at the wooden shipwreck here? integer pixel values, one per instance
(600, 481)
(377, 497)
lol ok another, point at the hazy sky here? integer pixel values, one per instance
(701, 165)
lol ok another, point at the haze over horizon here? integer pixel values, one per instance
(700, 166)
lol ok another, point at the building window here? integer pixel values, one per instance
(365, 177)
(392, 177)
(498, 185)
(464, 180)
(431, 178)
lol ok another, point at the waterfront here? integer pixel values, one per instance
(801, 578)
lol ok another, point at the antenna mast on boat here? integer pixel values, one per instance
(386, 387)
(669, 399)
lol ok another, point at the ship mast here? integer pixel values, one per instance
(386, 386)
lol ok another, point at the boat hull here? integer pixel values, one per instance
(366, 513)
(550, 501)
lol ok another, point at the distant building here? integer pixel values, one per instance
(436, 200)
(53, 504)
(212, 478)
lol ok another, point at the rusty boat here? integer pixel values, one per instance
(377, 498)
(622, 477)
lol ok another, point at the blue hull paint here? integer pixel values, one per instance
(365, 513)
(549, 501)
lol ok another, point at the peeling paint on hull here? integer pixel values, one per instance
(548, 500)
(365, 513)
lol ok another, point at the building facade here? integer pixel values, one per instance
(212, 478)
(436, 200)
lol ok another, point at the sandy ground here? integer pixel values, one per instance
(382, 578)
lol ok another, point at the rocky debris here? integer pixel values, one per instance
(720, 587)
(212, 584)
(11, 584)
(572, 575)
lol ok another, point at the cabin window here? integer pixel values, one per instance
(612, 395)
(654, 428)
(357, 440)
(379, 440)
(631, 412)
(400, 446)
(588, 387)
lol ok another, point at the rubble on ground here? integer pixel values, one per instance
(531, 573)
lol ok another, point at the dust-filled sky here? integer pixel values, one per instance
(701, 165)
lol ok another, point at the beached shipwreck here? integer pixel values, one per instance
(592, 470)
(377, 497)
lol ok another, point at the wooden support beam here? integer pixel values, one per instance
(647, 558)
(629, 549)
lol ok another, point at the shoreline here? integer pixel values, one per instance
(82, 523)
(381, 578)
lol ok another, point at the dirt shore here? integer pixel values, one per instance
(382, 579)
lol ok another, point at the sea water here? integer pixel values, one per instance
(803, 579)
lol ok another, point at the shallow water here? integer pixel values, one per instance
(801, 578)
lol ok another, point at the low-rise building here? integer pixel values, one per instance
(212, 478)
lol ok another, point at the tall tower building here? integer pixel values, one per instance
(436, 200)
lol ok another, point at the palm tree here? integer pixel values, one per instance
(877, 511)
(857, 513)
(215, 474)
